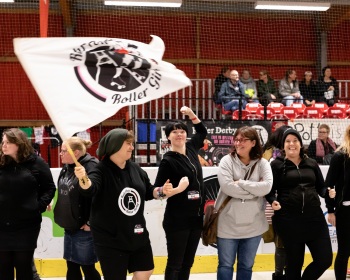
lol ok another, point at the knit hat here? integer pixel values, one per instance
(294, 132)
(111, 142)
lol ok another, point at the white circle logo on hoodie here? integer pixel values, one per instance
(129, 201)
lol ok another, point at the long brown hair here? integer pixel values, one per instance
(19, 138)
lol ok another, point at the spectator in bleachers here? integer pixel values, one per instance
(322, 149)
(232, 93)
(289, 89)
(267, 91)
(249, 85)
(328, 86)
(223, 76)
(308, 89)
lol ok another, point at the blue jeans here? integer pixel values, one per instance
(245, 249)
(233, 105)
(288, 100)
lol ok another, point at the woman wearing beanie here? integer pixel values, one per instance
(298, 218)
(119, 188)
(183, 218)
(72, 212)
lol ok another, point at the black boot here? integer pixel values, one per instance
(278, 277)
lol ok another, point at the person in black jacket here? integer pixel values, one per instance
(72, 212)
(119, 188)
(298, 218)
(183, 217)
(328, 87)
(26, 189)
(338, 176)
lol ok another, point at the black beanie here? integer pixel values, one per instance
(112, 142)
(294, 132)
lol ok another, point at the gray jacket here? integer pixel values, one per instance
(243, 216)
(285, 89)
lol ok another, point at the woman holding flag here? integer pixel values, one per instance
(119, 188)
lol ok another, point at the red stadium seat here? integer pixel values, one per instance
(337, 113)
(313, 113)
(269, 112)
(290, 112)
(345, 106)
(235, 115)
(276, 106)
(299, 106)
(252, 107)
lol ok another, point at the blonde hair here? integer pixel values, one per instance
(345, 146)
(77, 143)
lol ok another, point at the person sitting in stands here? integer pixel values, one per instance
(289, 89)
(267, 91)
(308, 89)
(328, 86)
(322, 149)
(232, 93)
(223, 76)
(249, 85)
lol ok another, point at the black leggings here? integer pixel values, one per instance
(74, 272)
(182, 246)
(19, 260)
(343, 233)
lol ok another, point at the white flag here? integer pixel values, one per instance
(83, 81)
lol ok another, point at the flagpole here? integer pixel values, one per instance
(77, 163)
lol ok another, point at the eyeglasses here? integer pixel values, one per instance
(323, 132)
(63, 151)
(241, 140)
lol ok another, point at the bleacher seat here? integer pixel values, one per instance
(276, 106)
(269, 112)
(313, 113)
(252, 107)
(290, 112)
(336, 113)
(345, 106)
(299, 106)
(321, 105)
(235, 115)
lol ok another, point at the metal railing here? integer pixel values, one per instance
(199, 98)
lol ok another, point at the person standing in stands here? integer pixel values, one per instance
(223, 76)
(322, 149)
(232, 93)
(26, 189)
(246, 177)
(267, 91)
(328, 86)
(72, 212)
(338, 176)
(298, 217)
(119, 188)
(289, 89)
(183, 217)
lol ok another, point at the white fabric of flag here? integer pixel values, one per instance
(83, 81)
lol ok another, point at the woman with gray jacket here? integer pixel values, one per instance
(246, 177)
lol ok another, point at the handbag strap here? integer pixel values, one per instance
(246, 177)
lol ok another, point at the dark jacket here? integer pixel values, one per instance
(309, 92)
(219, 80)
(265, 90)
(182, 212)
(297, 188)
(72, 210)
(323, 87)
(311, 151)
(117, 212)
(338, 177)
(25, 191)
(229, 92)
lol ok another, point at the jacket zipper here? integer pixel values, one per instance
(302, 193)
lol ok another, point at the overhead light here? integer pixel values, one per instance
(292, 6)
(146, 3)
(7, 1)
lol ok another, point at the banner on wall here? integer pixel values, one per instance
(83, 81)
(219, 138)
